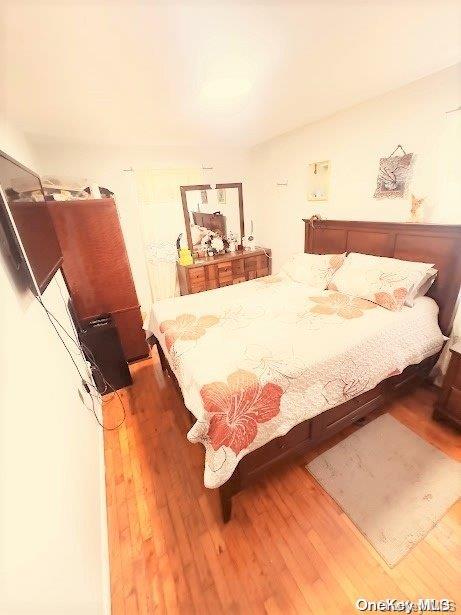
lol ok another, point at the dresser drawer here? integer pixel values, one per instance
(210, 272)
(197, 274)
(260, 273)
(211, 277)
(278, 448)
(238, 268)
(251, 263)
(262, 266)
(225, 277)
(224, 268)
(338, 417)
(198, 286)
(197, 281)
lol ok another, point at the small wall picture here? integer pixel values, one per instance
(221, 196)
(204, 197)
(393, 177)
(318, 180)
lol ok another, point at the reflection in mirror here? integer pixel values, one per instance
(213, 217)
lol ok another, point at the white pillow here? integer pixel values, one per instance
(385, 281)
(313, 269)
(419, 290)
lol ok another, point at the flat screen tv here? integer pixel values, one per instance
(28, 234)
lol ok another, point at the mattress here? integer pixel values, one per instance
(255, 359)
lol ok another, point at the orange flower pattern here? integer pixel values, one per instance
(186, 327)
(342, 305)
(336, 261)
(392, 301)
(237, 407)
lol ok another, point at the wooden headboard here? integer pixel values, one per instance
(430, 243)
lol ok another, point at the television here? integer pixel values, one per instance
(27, 231)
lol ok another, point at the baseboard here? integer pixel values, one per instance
(105, 567)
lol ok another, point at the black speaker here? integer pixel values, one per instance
(101, 344)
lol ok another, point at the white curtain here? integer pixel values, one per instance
(162, 221)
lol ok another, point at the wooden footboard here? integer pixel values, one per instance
(309, 434)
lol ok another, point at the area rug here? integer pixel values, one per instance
(391, 483)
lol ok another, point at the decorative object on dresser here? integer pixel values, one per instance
(448, 405)
(223, 270)
(97, 270)
(204, 215)
(249, 243)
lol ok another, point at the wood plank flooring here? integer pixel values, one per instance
(289, 548)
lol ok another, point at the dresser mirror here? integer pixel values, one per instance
(212, 214)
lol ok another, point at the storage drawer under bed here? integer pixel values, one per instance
(262, 458)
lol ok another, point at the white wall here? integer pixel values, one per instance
(53, 533)
(354, 140)
(105, 164)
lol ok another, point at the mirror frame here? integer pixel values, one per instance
(186, 189)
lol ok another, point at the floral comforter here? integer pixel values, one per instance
(255, 359)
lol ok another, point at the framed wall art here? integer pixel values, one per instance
(394, 175)
(318, 181)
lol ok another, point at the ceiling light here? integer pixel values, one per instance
(224, 93)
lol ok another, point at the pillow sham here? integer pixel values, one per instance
(385, 281)
(313, 269)
(419, 290)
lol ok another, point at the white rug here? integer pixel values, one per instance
(391, 483)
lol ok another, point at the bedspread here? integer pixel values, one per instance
(255, 359)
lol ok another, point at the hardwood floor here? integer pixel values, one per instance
(289, 548)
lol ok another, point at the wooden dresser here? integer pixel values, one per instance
(448, 405)
(223, 270)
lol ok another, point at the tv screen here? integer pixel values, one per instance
(27, 225)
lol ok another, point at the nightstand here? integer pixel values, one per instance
(448, 405)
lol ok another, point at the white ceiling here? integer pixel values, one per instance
(233, 73)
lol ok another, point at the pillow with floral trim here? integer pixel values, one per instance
(385, 281)
(313, 269)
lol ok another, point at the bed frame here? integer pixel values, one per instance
(434, 243)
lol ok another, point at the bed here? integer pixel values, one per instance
(270, 368)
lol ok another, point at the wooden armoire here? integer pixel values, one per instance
(97, 270)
